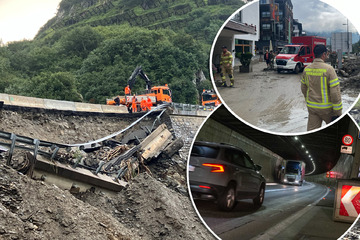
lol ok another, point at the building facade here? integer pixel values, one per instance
(298, 31)
(341, 41)
(276, 24)
(239, 34)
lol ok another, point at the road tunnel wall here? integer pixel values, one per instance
(342, 170)
(213, 131)
(347, 167)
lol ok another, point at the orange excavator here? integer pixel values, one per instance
(156, 94)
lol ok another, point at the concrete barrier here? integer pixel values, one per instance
(26, 101)
(22, 101)
(87, 107)
(59, 105)
(114, 109)
(4, 98)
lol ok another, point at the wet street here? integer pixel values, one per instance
(287, 213)
(271, 101)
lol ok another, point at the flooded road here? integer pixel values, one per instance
(272, 101)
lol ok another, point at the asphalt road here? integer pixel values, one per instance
(282, 204)
(271, 101)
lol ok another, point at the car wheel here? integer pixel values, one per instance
(279, 70)
(297, 68)
(258, 201)
(227, 200)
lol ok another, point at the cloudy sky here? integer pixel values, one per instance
(318, 16)
(22, 19)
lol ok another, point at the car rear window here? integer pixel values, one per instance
(204, 151)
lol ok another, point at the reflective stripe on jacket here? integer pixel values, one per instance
(321, 87)
(226, 58)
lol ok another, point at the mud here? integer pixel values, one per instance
(154, 205)
(273, 101)
(34, 210)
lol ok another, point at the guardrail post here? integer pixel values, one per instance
(36, 148)
(13, 141)
(56, 149)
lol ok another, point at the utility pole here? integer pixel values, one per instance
(347, 37)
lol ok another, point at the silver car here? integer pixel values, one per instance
(225, 174)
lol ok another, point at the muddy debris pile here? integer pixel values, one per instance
(350, 73)
(151, 210)
(153, 205)
(34, 210)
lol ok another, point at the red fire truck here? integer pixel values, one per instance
(297, 55)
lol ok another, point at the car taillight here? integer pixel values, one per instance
(214, 167)
(206, 187)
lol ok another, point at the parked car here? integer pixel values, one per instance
(225, 174)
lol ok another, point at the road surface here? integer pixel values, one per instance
(271, 101)
(284, 205)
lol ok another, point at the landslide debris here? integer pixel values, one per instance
(154, 205)
(350, 73)
(62, 127)
(31, 209)
(151, 210)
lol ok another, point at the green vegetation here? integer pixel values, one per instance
(89, 50)
(245, 58)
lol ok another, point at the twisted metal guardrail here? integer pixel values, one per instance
(13, 141)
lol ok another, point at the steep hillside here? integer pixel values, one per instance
(195, 16)
(90, 48)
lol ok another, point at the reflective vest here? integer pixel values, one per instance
(321, 87)
(127, 90)
(226, 58)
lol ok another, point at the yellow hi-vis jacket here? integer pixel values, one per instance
(321, 88)
(226, 58)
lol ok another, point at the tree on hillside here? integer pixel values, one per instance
(60, 86)
(163, 54)
(79, 41)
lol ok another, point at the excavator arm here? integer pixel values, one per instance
(139, 72)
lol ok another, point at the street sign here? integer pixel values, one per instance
(347, 140)
(346, 149)
(350, 196)
(347, 205)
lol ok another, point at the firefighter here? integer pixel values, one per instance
(148, 104)
(321, 89)
(226, 67)
(133, 104)
(127, 90)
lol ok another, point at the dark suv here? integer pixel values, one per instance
(224, 173)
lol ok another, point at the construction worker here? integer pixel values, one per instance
(127, 90)
(226, 66)
(143, 105)
(321, 89)
(133, 104)
(149, 104)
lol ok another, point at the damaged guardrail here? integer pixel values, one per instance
(114, 160)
